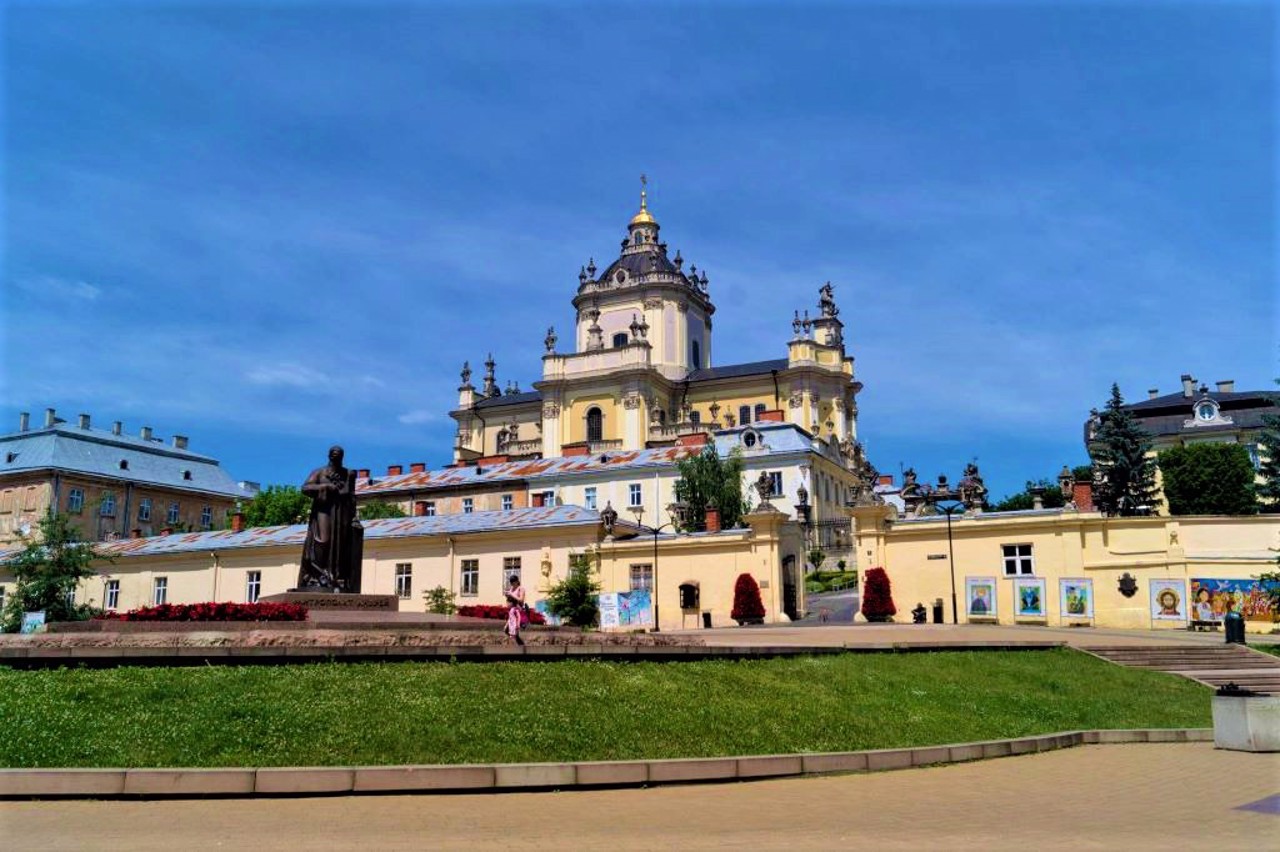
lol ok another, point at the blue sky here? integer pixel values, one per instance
(272, 226)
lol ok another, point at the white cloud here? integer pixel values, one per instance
(291, 375)
(420, 415)
(61, 288)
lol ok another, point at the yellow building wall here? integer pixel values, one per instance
(573, 417)
(1072, 546)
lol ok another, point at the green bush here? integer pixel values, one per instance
(440, 601)
(1209, 479)
(573, 599)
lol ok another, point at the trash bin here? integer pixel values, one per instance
(706, 619)
(937, 610)
(1233, 624)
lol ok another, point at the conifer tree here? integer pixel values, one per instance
(1269, 469)
(1121, 450)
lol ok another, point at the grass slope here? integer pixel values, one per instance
(395, 713)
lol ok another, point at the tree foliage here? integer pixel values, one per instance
(375, 509)
(440, 601)
(573, 599)
(708, 481)
(277, 506)
(47, 572)
(1269, 469)
(747, 605)
(877, 596)
(1052, 497)
(1208, 479)
(1121, 448)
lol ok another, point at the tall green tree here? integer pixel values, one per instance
(706, 480)
(1269, 468)
(573, 599)
(1208, 479)
(47, 572)
(1122, 450)
(277, 506)
(375, 509)
(1052, 497)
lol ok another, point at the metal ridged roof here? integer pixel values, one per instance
(97, 452)
(732, 371)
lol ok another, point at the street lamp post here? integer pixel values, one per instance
(949, 510)
(655, 531)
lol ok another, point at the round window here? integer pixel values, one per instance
(749, 439)
(1207, 411)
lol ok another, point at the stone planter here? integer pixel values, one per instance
(1246, 722)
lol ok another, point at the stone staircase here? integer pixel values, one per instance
(1212, 665)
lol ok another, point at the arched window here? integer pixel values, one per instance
(620, 340)
(760, 409)
(595, 425)
(695, 355)
(744, 414)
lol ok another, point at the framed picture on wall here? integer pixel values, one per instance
(1028, 597)
(1075, 598)
(980, 597)
(1168, 600)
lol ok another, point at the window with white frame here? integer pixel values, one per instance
(107, 508)
(507, 502)
(744, 415)
(253, 586)
(429, 509)
(112, 596)
(510, 566)
(548, 498)
(468, 505)
(159, 590)
(404, 580)
(75, 500)
(71, 597)
(470, 577)
(775, 483)
(635, 495)
(206, 517)
(589, 497)
(1017, 560)
(172, 516)
(641, 577)
(144, 509)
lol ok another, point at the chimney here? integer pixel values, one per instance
(84, 421)
(1152, 393)
(179, 442)
(24, 421)
(394, 470)
(362, 473)
(417, 467)
(49, 417)
(1227, 386)
(420, 508)
(117, 428)
(885, 479)
(136, 532)
(145, 433)
(1188, 385)
(237, 522)
(1083, 496)
(166, 530)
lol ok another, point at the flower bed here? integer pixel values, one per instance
(498, 612)
(212, 612)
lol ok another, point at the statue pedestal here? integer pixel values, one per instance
(337, 602)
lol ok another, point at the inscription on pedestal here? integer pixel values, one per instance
(340, 602)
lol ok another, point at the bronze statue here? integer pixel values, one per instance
(332, 553)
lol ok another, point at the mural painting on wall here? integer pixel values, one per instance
(1168, 600)
(1211, 600)
(1028, 598)
(1076, 598)
(625, 609)
(980, 597)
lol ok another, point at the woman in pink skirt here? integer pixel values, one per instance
(517, 616)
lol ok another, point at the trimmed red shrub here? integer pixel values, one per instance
(224, 611)
(497, 611)
(747, 605)
(877, 597)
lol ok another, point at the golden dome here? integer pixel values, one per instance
(644, 217)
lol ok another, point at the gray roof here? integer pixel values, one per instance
(510, 399)
(1227, 401)
(1168, 414)
(98, 452)
(731, 371)
(642, 263)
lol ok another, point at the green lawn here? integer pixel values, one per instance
(392, 713)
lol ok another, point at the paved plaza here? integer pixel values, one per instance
(1176, 796)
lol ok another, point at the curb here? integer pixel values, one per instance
(500, 777)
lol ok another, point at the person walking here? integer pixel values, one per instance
(518, 614)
